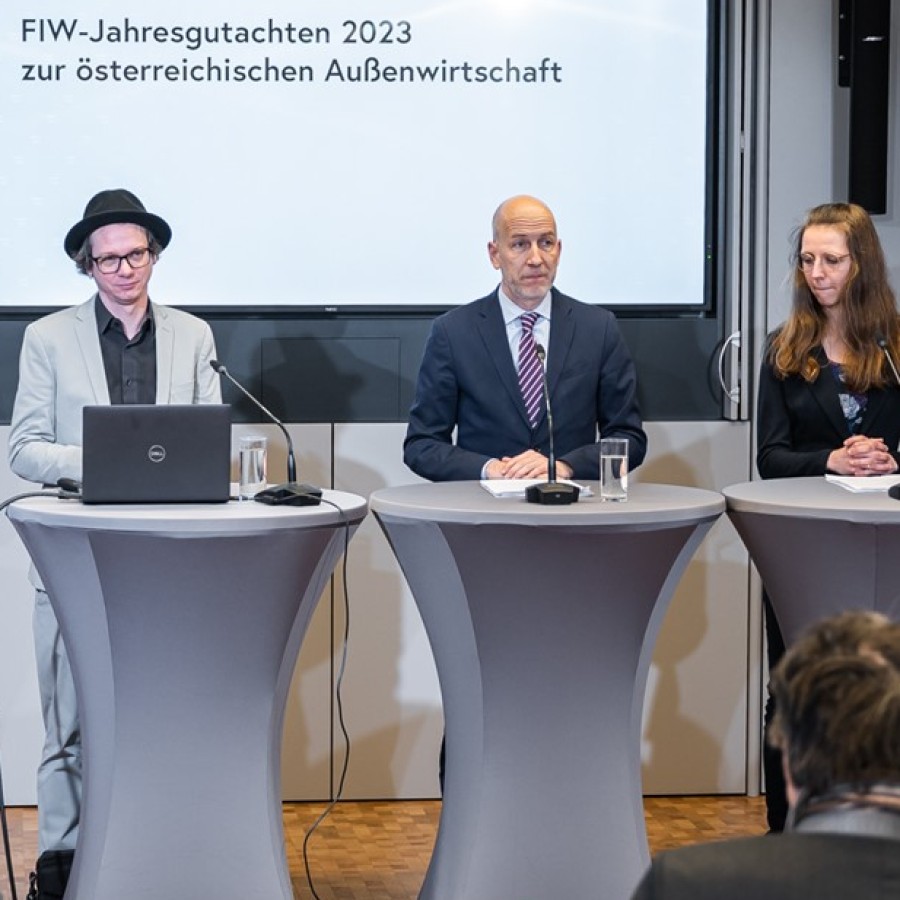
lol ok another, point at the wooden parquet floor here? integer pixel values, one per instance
(380, 850)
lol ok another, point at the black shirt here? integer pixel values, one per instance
(130, 365)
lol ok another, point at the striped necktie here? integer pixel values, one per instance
(529, 368)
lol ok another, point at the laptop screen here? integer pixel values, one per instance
(145, 453)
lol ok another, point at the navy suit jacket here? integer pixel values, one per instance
(468, 381)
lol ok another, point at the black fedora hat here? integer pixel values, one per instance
(108, 207)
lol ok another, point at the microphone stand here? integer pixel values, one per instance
(290, 493)
(552, 492)
(881, 340)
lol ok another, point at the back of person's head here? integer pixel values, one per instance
(837, 696)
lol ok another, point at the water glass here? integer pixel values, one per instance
(252, 465)
(614, 469)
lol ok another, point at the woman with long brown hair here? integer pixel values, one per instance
(829, 398)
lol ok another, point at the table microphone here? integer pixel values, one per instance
(291, 493)
(881, 340)
(552, 492)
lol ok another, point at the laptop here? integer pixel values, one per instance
(144, 453)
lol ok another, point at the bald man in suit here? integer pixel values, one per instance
(469, 380)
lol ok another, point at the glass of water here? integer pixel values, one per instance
(252, 465)
(614, 469)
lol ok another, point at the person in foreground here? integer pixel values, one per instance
(829, 400)
(118, 347)
(480, 373)
(837, 722)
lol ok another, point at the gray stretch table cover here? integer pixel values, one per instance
(542, 622)
(183, 625)
(820, 549)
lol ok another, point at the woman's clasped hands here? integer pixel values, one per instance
(862, 456)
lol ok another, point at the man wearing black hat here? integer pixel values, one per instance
(118, 347)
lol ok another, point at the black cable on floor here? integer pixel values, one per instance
(339, 704)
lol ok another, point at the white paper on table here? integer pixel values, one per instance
(515, 487)
(864, 485)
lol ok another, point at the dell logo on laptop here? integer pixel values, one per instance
(157, 453)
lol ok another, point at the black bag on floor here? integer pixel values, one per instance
(51, 875)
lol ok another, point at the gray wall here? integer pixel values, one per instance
(808, 139)
(695, 739)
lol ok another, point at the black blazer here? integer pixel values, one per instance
(468, 382)
(799, 423)
(790, 866)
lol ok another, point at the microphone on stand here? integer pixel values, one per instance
(881, 340)
(552, 492)
(290, 493)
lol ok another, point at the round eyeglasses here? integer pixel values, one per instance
(109, 265)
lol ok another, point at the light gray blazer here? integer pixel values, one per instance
(61, 371)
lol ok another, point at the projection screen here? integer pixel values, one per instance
(339, 153)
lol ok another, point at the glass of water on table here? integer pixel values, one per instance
(614, 469)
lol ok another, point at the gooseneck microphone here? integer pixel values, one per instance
(881, 340)
(552, 492)
(291, 493)
(220, 369)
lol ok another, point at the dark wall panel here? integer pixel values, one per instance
(869, 54)
(309, 366)
(332, 379)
